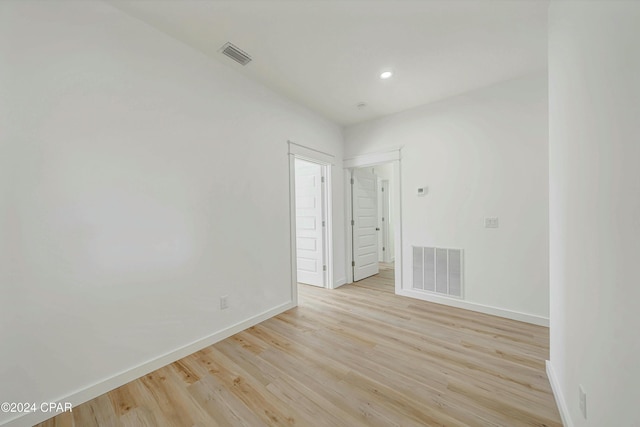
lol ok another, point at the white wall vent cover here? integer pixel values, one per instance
(235, 53)
(438, 270)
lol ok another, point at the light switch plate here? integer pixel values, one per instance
(491, 222)
(583, 401)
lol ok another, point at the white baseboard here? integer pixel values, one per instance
(557, 393)
(117, 380)
(481, 308)
(339, 283)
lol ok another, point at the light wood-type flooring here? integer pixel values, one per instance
(355, 356)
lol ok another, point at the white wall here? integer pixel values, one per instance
(481, 154)
(384, 171)
(148, 181)
(594, 86)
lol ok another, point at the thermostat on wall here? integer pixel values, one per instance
(422, 191)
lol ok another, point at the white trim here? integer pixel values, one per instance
(308, 153)
(339, 282)
(473, 306)
(91, 392)
(397, 223)
(292, 229)
(328, 230)
(557, 393)
(348, 228)
(372, 159)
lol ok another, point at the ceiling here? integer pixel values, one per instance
(328, 55)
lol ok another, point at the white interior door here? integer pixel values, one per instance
(385, 221)
(365, 224)
(309, 223)
(380, 219)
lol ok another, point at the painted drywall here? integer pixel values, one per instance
(483, 154)
(148, 180)
(594, 147)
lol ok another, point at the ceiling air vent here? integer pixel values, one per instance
(235, 53)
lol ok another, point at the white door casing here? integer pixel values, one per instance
(365, 224)
(309, 223)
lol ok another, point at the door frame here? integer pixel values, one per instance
(326, 161)
(367, 160)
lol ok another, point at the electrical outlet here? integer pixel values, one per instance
(583, 401)
(491, 222)
(224, 302)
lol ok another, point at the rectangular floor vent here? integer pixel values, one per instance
(438, 270)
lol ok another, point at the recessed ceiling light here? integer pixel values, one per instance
(386, 74)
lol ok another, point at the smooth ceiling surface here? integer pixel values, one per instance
(328, 55)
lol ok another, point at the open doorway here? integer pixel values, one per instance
(374, 226)
(310, 215)
(386, 244)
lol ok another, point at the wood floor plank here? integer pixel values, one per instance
(355, 356)
(138, 417)
(222, 406)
